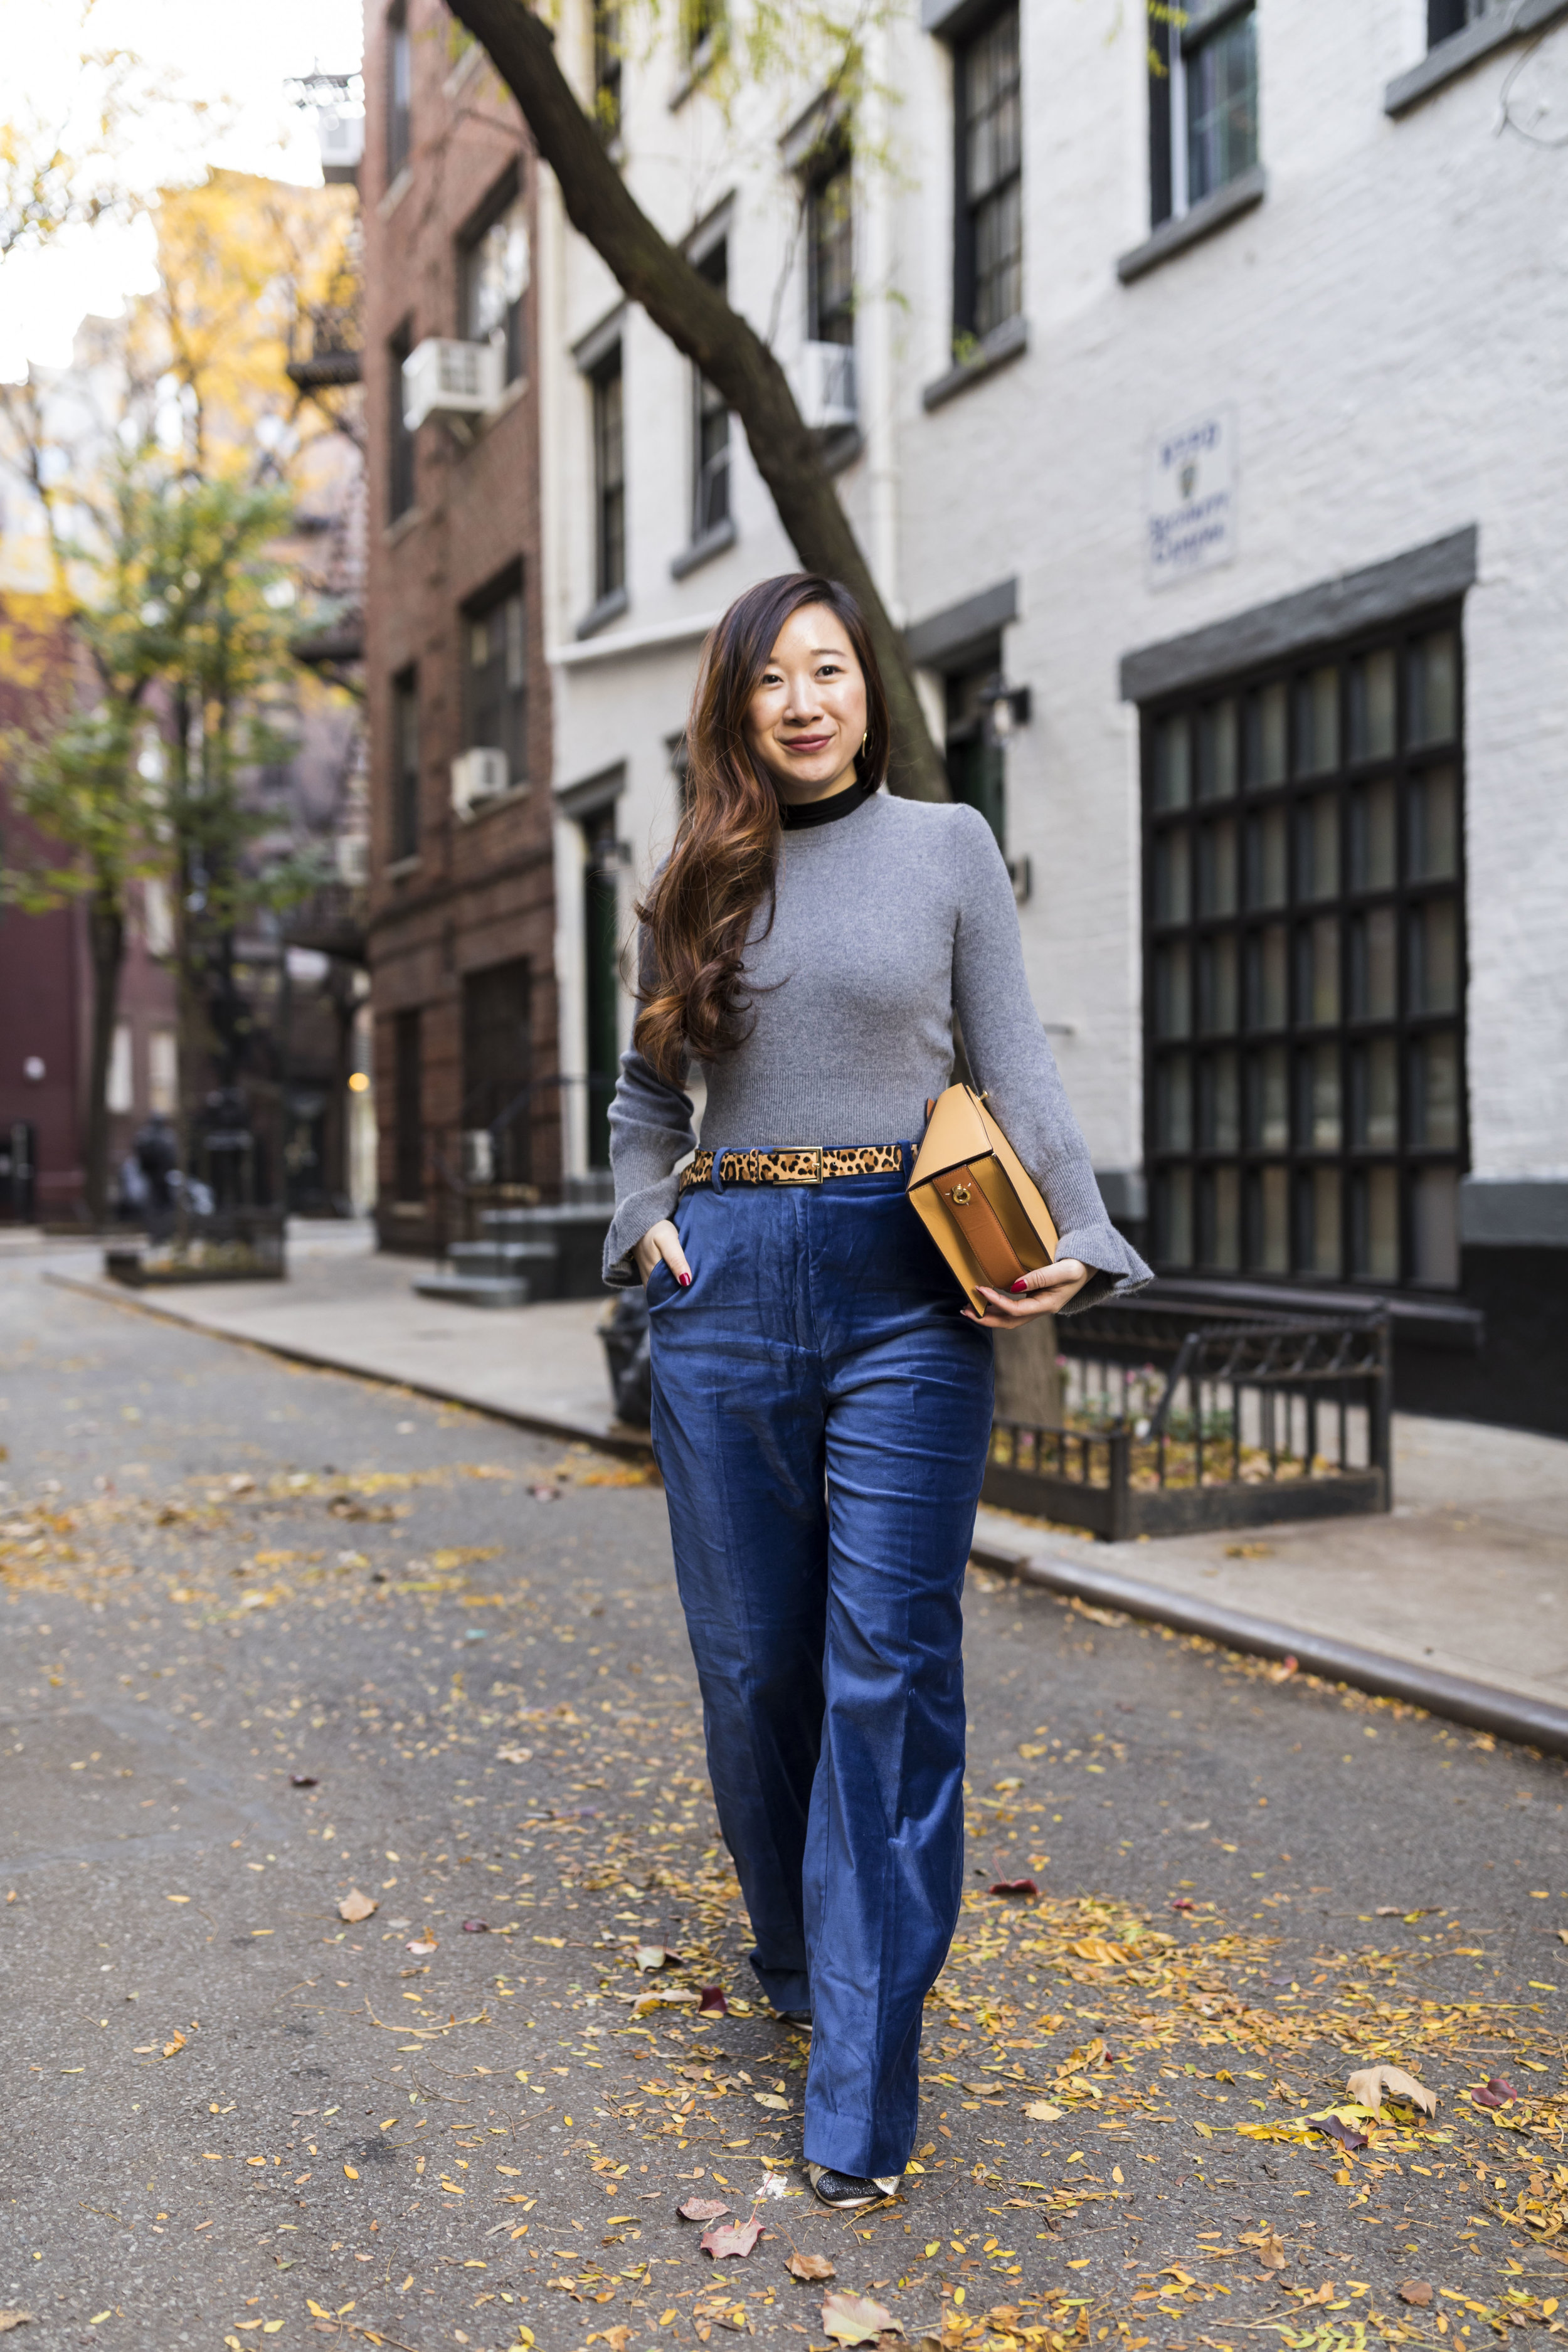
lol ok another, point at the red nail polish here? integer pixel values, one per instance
(1020, 1283)
(684, 1280)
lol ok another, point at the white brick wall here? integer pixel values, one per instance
(1390, 327)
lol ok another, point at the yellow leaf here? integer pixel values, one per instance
(176, 1899)
(348, 2172)
(100, 2316)
(1368, 2085)
(356, 1906)
(271, 2327)
(317, 2309)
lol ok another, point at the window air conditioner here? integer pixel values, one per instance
(828, 385)
(478, 776)
(341, 138)
(452, 380)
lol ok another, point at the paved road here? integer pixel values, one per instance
(237, 2119)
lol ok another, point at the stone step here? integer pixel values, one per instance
(474, 1290)
(532, 1262)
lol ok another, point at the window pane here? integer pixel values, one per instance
(1434, 688)
(993, 149)
(1318, 972)
(1173, 1104)
(1375, 1225)
(1435, 827)
(1173, 1217)
(1217, 868)
(1267, 863)
(497, 274)
(1374, 967)
(1320, 1125)
(1373, 706)
(609, 461)
(1221, 1104)
(1222, 109)
(1267, 993)
(1436, 1227)
(1173, 770)
(1173, 992)
(1434, 957)
(1216, 987)
(1172, 867)
(1222, 1219)
(1373, 838)
(1435, 1092)
(1317, 1202)
(1318, 848)
(1318, 722)
(1269, 1105)
(1272, 1239)
(1217, 751)
(999, 257)
(1375, 1095)
(1265, 737)
(831, 259)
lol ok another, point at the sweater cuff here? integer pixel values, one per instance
(1115, 1267)
(631, 1219)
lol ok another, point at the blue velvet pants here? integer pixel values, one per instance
(821, 1413)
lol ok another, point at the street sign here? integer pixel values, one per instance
(1191, 498)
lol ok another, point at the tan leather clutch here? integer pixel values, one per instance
(977, 1200)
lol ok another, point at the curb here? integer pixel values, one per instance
(627, 1444)
(1528, 1722)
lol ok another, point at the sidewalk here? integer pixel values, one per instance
(1462, 1589)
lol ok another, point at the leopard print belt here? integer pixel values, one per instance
(805, 1164)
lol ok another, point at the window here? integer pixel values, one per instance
(609, 477)
(1447, 17)
(164, 1071)
(702, 30)
(407, 1109)
(498, 1064)
(399, 440)
(399, 90)
(120, 1086)
(607, 70)
(1203, 103)
(1304, 967)
(601, 974)
(830, 251)
(494, 278)
(406, 763)
(496, 704)
(988, 246)
(711, 468)
(976, 766)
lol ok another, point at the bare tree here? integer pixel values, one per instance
(728, 352)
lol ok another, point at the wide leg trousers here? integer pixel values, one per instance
(821, 1414)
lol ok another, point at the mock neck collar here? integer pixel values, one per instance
(800, 816)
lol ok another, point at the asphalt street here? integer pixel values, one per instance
(275, 1639)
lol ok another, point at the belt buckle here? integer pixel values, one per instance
(811, 1151)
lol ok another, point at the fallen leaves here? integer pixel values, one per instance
(1368, 2085)
(9, 2319)
(1023, 1886)
(1269, 2250)
(1499, 2092)
(702, 2209)
(1040, 2111)
(856, 2319)
(731, 2239)
(1332, 2128)
(655, 1955)
(1416, 2291)
(809, 2266)
(713, 2003)
(304, 1781)
(514, 1755)
(176, 2042)
(771, 2101)
(356, 1906)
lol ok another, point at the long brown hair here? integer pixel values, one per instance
(699, 912)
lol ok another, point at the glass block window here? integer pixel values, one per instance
(1305, 967)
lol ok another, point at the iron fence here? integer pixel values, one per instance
(1174, 1422)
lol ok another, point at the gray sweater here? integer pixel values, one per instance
(890, 922)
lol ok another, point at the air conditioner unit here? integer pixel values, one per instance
(451, 380)
(478, 776)
(828, 385)
(341, 138)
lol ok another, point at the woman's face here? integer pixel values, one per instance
(807, 717)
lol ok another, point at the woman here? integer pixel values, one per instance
(822, 1394)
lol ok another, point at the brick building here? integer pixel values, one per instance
(462, 904)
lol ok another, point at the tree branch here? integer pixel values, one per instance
(717, 340)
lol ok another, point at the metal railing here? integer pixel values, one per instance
(1175, 1422)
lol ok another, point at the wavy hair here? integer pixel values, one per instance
(697, 915)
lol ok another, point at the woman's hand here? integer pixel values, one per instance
(1046, 1291)
(662, 1241)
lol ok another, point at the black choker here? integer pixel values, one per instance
(797, 815)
